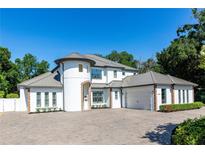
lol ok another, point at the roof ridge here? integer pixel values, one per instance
(170, 77)
(152, 76)
(103, 58)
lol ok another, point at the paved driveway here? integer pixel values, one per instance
(106, 126)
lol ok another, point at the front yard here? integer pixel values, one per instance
(100, 126)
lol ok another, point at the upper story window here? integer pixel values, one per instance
(80, 67)
(164, 97)
(123, 73)
(87, 68)
(96, 73)
(115, 73)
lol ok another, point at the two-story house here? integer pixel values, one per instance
(82, 82)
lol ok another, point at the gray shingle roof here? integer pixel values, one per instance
(75, 56)
(95, 61)
(115, 84)
(103, 62)
(150, 78)
(44, 80)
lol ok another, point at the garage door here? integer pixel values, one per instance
(139, 98)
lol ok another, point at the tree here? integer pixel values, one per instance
(122, 57)
(148, 65)
(183, 57)
(8, 72)
(29, 67)
(13, 73)
(202, 59)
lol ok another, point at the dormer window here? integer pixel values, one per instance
(80, 67)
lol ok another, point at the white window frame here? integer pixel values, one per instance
(115, 73)
(98, 96)
(46, 99)
(96, 76)
(38, 99)
(54, 99)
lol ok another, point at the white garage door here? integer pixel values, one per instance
(139, 98)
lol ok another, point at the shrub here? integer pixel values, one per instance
(190, 132)
(180, 107)
(2, 93)
(12, 95)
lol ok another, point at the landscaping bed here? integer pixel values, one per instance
(190, 132)
(180, 107)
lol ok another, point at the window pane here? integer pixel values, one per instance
(187, 94)
(54, 99)
(96, 74)
(183, 96)
(179, 96)
(123, 73)
(38, 99)
(115, 73)
(97, 97)
(80, 68)
(46, 99)
(116, 94)
(164, 96)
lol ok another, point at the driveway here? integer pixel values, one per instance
(105, 126)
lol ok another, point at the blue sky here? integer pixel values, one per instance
(53, 33)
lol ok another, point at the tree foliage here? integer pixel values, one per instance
(184, 57)
(13, 73)
(122, 57)
(29, 67)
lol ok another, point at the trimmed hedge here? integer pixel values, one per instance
(12, 95)
(190, 132)
(2, 93)
(180, 107)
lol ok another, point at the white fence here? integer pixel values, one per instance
(11, 104)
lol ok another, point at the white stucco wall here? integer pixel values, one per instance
(138, 97)
(33, 103)
(23, 98)
(176, 96)
(116, 103)
(72, 83)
